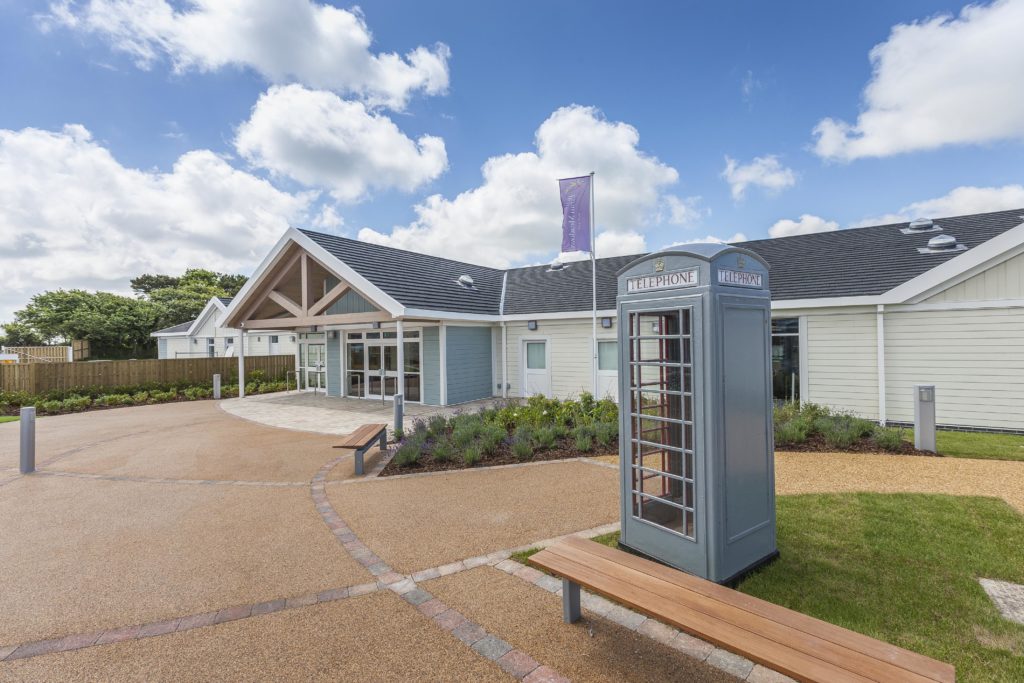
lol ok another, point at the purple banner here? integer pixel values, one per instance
(576, 227)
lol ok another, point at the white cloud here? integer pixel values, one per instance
(959, 201)
(941, 81)
(515, 216)
(73, 216)
(284, 40)
(683, 211)
(710, 239)
(765, 172)
(619, 243)
(807, 224)
(319, 139)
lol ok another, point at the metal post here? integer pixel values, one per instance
(216, 386)
(28, 439)
(924, 417)
(570, 602)
(399, 410)
(241, 362)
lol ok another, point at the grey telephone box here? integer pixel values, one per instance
(695, 403)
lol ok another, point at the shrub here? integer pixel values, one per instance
(196, 393)
(397, 434)
(50, 407)
(607, 433)
(166, 396)
(792, 432)
(522, 449)
(140, 397)
(545, 438)
(114, 400)
(466, 432)
(491, 437)
(526, 433)
(584, 441)
(443, 450)
(842, 431)
(887, 438)
(73, 404)
(471, 456)
(437, 425)
(408, 454)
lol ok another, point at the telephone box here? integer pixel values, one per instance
(696, 445)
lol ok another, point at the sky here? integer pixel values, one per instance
(153, 136)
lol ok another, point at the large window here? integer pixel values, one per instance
(608, 356)
(786, 359)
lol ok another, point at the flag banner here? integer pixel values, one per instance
(576, 226)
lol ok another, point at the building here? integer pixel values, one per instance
(859, 316)
(206, 337)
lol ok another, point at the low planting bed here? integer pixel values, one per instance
(100, 398)
(507, 433)
(811, 427)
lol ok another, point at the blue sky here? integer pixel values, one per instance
(194, 144)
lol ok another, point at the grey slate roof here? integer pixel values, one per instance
(226, 300)
(853, 262)
(181, 327)
(418, 280)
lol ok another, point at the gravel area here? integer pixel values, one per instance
(82, 555)
(194, 440)
(420, 522)
(592, 650)
(840, 472)
(375, 637)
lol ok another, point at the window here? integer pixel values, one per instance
(608, 355)
(355, 335)
(536, 356)
(786, 359)
(229, 340)
(273, 339)
(210, 347)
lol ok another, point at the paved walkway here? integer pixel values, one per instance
(127, 573)
(315, 412)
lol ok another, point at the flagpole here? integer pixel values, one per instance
(593, 280)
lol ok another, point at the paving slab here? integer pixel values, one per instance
(371, 638)
(530, 620)
(843, 472)
(420, 522)
(193, 440)
(84, 555)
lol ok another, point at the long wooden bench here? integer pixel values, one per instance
(795, 644)
(362, 439)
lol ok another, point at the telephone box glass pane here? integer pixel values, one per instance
(669, 516)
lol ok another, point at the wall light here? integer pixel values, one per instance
(531, 325)
(606, 323)
(376, 325)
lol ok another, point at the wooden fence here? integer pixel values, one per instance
(39, 354)
(38, 378)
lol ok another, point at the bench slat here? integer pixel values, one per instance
(362, 436)
(751, 645)
(809, 644)
(927, 667)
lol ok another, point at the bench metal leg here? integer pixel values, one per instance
(383, 441)
(570, 602)
(359, 461)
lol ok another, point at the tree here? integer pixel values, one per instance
(17, 334)
(146, 283)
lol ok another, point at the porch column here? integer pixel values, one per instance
(241, 362)
(400, 336)
(297, 361)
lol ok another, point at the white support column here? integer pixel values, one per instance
(803, 357)
(241, 362)
(880, 360)
(297, 360)
(400, 339)
(504, 360)
(443, 343)
(342, 360)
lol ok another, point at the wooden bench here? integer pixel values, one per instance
(795, 644)
(362, 439)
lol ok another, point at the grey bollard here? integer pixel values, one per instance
(28, 440)
(216, 387)
(399, 410)
(924, 417)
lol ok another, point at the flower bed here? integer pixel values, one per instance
(810, 427)
(506, 433)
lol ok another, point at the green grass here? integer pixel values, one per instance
(901, 568)
(8, 418)
(978, 445)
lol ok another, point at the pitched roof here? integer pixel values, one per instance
(418, 280)
(853, 262)
(181, 327)
(226, 300)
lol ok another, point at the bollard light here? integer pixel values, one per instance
(28, 439)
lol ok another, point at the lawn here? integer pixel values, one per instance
(978, 445)
(8, 418)
(903, 569)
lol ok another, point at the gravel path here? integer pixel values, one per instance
(839, 472)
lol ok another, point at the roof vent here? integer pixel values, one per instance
(919, 225)
(557, 265)
(942, 244)
(466, 281)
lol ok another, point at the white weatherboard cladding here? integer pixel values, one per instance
(1002, 281)
(568, 351)
(177, 347)
(975, 359)
(843, 362)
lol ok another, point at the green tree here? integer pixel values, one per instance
(18, 334)
(146, 283)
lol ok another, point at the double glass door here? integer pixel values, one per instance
(372, 365)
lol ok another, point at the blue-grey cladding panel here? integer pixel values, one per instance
(351, 302)
(334, 364)
(469, 364)
(431, 351)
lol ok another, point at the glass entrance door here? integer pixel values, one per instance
(313, 359)
(381, 370)
(371, 367)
